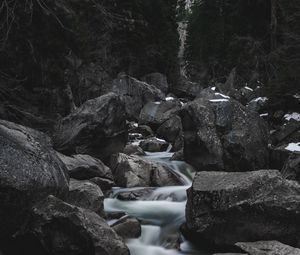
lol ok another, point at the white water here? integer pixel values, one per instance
(161, 212)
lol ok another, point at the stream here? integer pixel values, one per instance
(161, 213)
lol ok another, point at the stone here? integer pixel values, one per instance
(127, 227)
(30, 170)
(97, 128)
(158, 80)
(224, 208)
(154, 145)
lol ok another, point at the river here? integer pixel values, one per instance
(161, 213)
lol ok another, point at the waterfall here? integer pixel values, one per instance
(182, 31)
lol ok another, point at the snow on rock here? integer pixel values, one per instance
(218, 100)
(219, 94)
(260, 99)
(264, 115)
(293, 147)
(213, 88)
(248, 88)
(292, 116)
(169, 98)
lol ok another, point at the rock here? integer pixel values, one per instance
(225, 208)
(283, 135)
(154, 114)
(96, 128)
(218, 135)
(187, 89)
(127, 227)
(144, 130)
(103, 183)
(268, 248)
(29, 171)
(86, 194)
(258, 104)
(171, 131)
(84, 167)
(65, 229)
(154, 145)
(158, 80)
(134, 195)
(135, 94)
(279, 156)
(230, 253)
(132, 149)
(291, 168)
(178, 156)
(133, 171)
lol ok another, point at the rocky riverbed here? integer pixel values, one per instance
(139, 171)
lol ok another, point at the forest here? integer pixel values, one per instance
(150, 127)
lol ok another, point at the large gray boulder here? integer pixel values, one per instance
(84, 167)
(221, 134)
(224, 208)
(154, 114)
(135, 94)
(96, 128)
(87, 195)
(65, 229)
(268, 248)
(133, 171)
(29, 171)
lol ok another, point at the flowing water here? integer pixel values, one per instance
(161, 213)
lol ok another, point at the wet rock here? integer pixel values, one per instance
(268, 248)
(132, 149)
(29, 171)
(158, 80)
(225, 208)
(66, 229)
(144, 130)
(135, 94)
(154, 114)
(96, 128)
(133, 171)
(87, 195)
(258, 104)
(171, 131)
(134, 195)
(154, 145)
(127, 227)
(178, 155)
(84, 167)
(219, 135)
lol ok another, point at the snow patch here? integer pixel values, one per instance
(263, 99)
(219, 94)
(292, 116)
(248, 88)
(157, 102)
(213, 88)
(264, 114)
(218, 100)
(297, 96)
(169, 98)
(135, 124)
(293, 147)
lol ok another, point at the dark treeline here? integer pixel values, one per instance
(260, 38)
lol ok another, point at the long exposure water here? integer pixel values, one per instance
(161, 213)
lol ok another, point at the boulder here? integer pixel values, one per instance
(132, 149)
(291, 168)
(144, 130)
(135, 94)
(219, 135)
(154, 114)
(258, 104)
(268, 248)
(134, 194)
(133, 171)
(86, 194)
(127, 227)
(65, 229)
(103, 183)
(154, 145)
(171, 131)
(84, 167)
(96, 128)
(286, 132)
(224, 208)
(30, 170)
(158, 80)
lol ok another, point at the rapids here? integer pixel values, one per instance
(161, 213)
